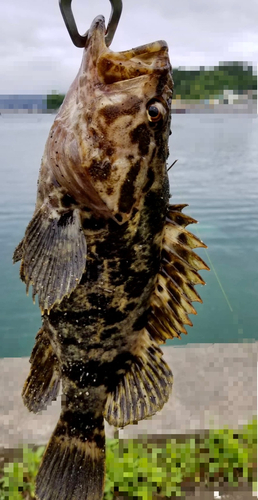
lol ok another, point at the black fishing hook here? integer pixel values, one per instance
(80, 40)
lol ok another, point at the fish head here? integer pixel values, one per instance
(114, 124)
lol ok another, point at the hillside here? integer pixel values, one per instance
(204, 83)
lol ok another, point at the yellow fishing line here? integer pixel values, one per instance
(216, 275)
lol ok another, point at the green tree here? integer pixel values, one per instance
(54, 101)
(203, 83)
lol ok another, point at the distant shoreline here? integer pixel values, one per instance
(186, 107)
(178, 107)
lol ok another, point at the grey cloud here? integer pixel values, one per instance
(36, 52)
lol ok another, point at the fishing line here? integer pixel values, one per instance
(216, 275)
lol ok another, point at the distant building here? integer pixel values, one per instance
(23, 103)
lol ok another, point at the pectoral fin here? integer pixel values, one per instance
(17, 255)
(53, 255)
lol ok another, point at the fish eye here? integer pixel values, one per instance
(155, 111)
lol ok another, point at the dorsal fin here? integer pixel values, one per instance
(174, 289)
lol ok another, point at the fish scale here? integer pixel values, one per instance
(110, 260)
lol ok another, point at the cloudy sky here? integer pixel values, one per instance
(37, 55)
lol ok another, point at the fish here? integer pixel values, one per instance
(110, 260)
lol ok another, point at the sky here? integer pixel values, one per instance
(37, 55)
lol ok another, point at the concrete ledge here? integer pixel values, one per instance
(214, 386)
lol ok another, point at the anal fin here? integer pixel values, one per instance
(42, 384)
(53, 255)
(142, 391)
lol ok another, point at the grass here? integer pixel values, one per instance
(161, 468)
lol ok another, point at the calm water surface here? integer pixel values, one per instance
(216, 174)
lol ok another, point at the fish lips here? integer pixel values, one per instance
(118, 66)
(96, 37)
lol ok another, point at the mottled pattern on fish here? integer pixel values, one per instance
(109, 258)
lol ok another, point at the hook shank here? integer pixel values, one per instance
(80, 40)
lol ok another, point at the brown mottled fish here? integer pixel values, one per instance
(110, 260)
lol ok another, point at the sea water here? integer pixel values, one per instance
(216, 174)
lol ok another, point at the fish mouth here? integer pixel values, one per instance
(118, 66)
(96, 36)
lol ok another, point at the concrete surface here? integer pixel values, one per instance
(214, 386)
(219, 495)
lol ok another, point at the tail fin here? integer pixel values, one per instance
(73, 465)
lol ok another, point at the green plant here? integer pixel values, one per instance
(143, 469)
(19, 477)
